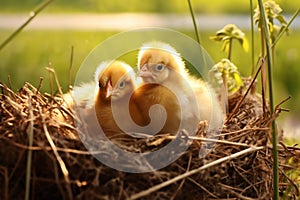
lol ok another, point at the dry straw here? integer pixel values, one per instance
(240, 165)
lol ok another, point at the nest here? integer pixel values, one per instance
(39, 149)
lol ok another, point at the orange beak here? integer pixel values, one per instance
(144, 72)
(109, 89)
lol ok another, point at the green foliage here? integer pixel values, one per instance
(227, 34)
(273, 11)
(225, 69)
(225, 72)
(293, 174)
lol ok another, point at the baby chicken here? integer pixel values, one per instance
(105, 102)
(161, 64)
(161, 113)
(116, 112)
(78, 104)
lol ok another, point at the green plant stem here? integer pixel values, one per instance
(225, 93)
(252, 38)
(230, 49)
(32, 15)
(194, 21)
(263, 69)
(196, 32)
(274, 131)
(286, 27)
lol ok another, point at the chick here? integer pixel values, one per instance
(78, 105)
(115, 110)
(103, 105)
(160, 63)
(161, 113)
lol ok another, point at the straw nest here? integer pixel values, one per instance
(238, 167)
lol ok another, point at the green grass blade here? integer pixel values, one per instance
(286, 27)
(271, 96)
(194, 21)
(197, 33)
(32, 15)
(252, 37)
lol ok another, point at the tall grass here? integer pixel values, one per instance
(267, 52)
(269, 56)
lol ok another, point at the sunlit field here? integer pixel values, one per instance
(28, 55)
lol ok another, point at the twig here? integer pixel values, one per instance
(239, 196)
(2, 90)
(50, 80)
(248, 90)
(183, 180)
(6, 182)
(202, 188)
(198, 184)
(291, 182)
(40, 85)
(238, 169)
(32, 15)
(212, 140)
(9, 82)
(29, 155)
(244, 130)
(192, 172)
(282, 102)
(56, 175)
(59, 159)
(8, 90)
(52, 70)
(47, 148)
(71, 68)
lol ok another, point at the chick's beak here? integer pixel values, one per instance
(144, 72)
(109, 89)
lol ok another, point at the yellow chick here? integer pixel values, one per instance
(116, 111)
(79, 107)
(164, 119)
(160, 63)
(105, 103)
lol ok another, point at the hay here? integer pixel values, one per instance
(239, 167)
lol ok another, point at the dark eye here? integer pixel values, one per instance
(160, 67)
(99, 84)
(122, 84)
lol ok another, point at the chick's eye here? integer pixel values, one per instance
(122, 84)
(159, 67)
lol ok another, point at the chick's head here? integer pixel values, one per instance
(157, 61)
(116, 79)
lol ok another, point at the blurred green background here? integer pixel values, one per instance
(156, 6)
(24, 59)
